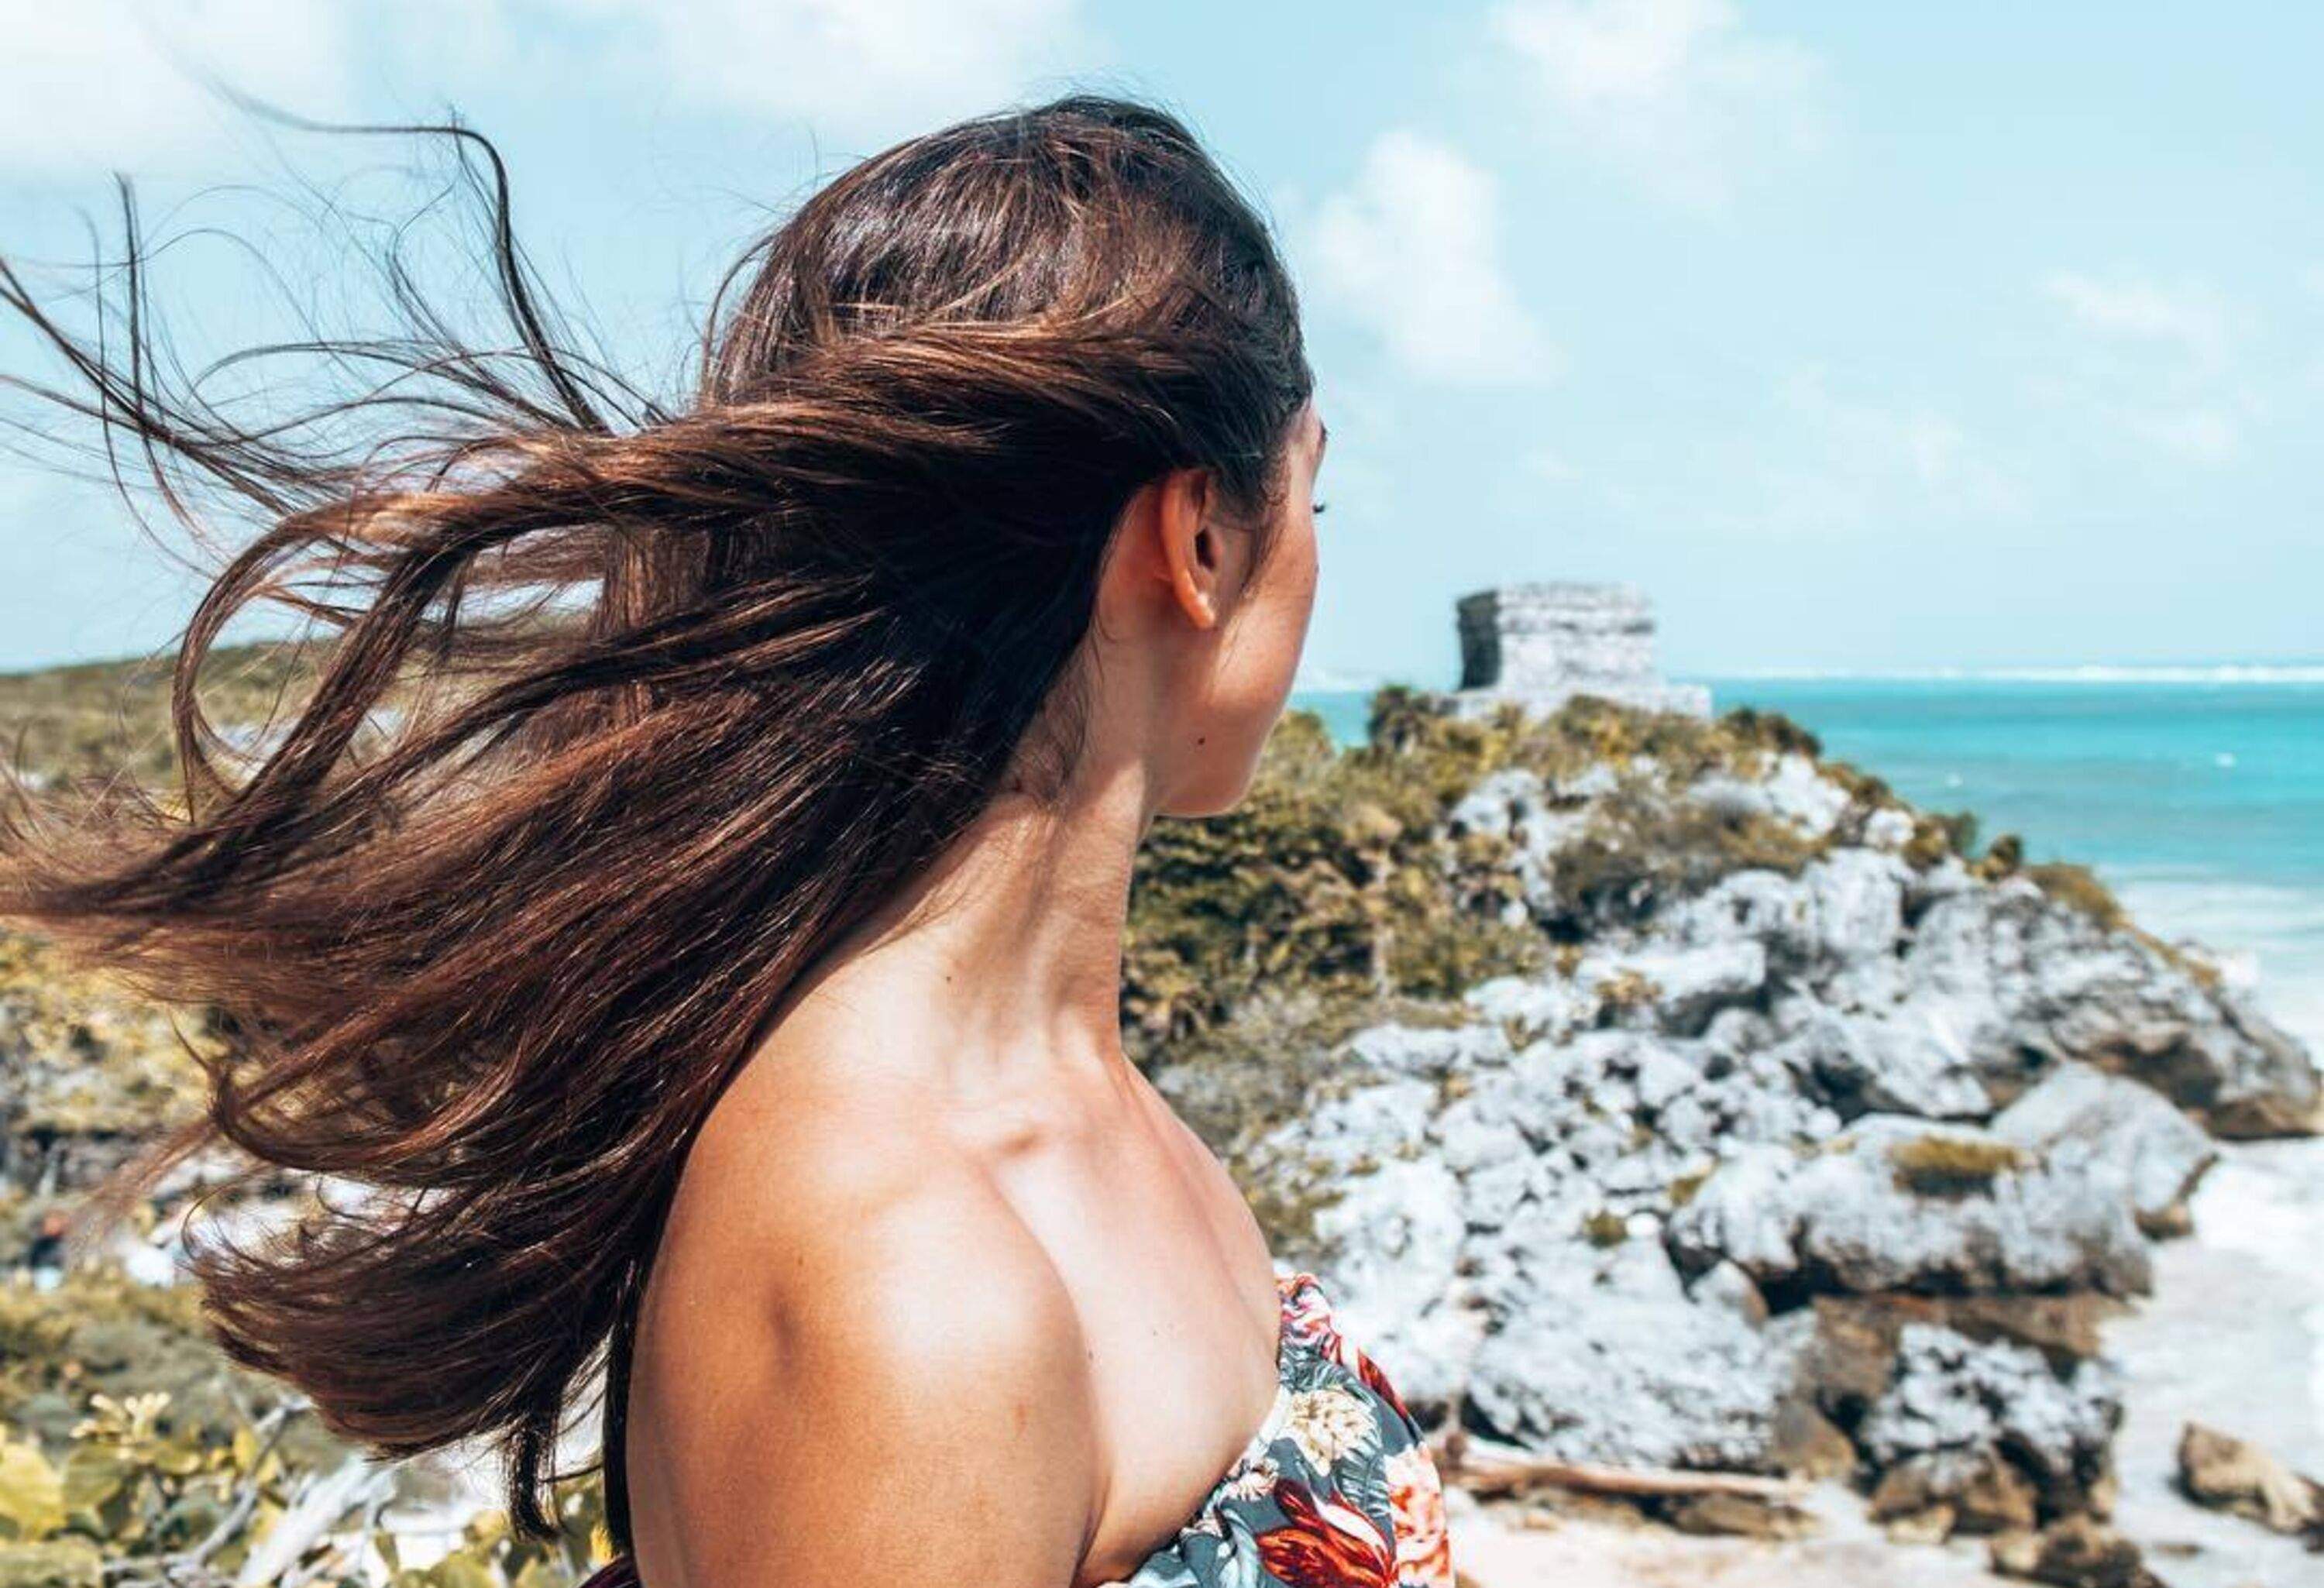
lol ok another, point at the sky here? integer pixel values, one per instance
(1860, 337)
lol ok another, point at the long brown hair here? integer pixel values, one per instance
(494, 966)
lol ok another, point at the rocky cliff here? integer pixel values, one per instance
(1651, 1090)
(1806, 1140)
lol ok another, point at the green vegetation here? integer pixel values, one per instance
(1339, 895)
(103, 718)
(1949, 1166)
(1644, 850)
(1335, 874)
(1340, 873)
(1605, 1227)
(130, 1451)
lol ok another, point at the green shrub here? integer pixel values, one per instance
(2079, 888)
(1948, 1166)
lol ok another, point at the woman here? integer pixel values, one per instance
(720, 987)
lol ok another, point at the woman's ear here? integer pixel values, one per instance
(1189, 544)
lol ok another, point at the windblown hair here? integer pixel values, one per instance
(489, 928)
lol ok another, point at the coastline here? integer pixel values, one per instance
(2196, 793)
(2198, 798)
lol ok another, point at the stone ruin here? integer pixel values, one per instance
(1543, 644)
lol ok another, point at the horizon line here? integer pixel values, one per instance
(1332, 682)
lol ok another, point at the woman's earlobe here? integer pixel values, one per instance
(1194, 599)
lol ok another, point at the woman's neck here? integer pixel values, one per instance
(1006, 953)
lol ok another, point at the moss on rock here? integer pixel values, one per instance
(1953, 1166)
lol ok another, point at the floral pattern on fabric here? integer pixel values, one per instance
(1336, 1489)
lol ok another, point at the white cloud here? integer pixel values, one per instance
(850, 67)
(104, 84)
(2157, 363)
(1854, 464)
(1549, 465)
(2200, 435)
(2190, 316)
(1412, 249)
(1677, 92)
(99, 85)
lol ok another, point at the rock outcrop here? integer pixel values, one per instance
(1810, 1143)
(2234, 1475)
(1651, 1090)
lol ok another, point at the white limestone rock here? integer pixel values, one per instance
(1911, 1059)
(1351, 1132)
(1793, 791)
(2111, 1126)
(1396, 1235)
(1611, 1362)
(1687, 984)
(1964, 1404)
(1887, 829)
(1552, 1006)
(2050, 984)
(1429, 1052)
(1880, 1207)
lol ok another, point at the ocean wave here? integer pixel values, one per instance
(2269, 935)
(2195, 903)
(2235, 672)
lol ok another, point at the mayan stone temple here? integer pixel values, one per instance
(1543, 644)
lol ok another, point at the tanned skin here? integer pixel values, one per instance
(948, 1293)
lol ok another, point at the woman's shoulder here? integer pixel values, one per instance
(849, 1198)
(839, 1307)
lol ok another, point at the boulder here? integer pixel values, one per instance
(1958, 1410)
(1793, 790)
(1396, 1236)
(2053, 983)
(1972, 1490)
(1900, 1203)
(1365, 1125)
(2235, 1475)
(2116, 1127)
(2073, 1552)
(1685, 986)
(1611, 1362)
(1909, 1059)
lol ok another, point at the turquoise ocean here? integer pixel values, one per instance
(2196, 794)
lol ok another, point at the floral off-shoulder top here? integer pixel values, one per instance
(1335, 1490)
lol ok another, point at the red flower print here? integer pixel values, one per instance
(1424, 1549)
(1306, 1315)
(1310, 1318)
(1370, 1373)
(1325, 1544)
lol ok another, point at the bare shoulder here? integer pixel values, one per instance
(855, 1361)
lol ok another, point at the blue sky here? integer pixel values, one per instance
(1861, 336)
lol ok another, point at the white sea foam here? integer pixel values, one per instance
(2230, 673)
(2268, 935)
(2246, 1291)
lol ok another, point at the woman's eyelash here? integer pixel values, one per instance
(1318, 508)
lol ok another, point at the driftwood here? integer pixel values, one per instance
(1486, 1475)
